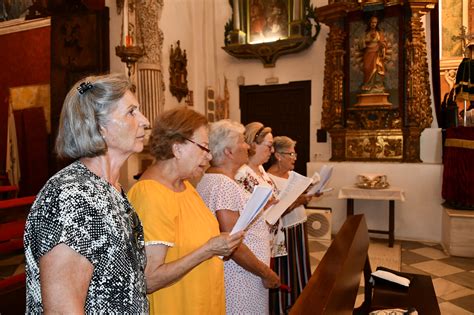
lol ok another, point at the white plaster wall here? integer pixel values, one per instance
(417, 218)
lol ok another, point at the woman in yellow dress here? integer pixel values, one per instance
(182, 238)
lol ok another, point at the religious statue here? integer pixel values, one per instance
(374, 47)
(371, 55)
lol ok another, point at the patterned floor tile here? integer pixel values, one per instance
(410, 257)
(411, 269)
(448, 290)
(447, 308)
(430, 252)
(465, 279)
(408, 245)
(466, 302)
(460, 262)
(437, 268)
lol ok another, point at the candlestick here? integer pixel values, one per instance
(125, 22)
(236, 15)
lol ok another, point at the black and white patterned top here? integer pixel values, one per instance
(83, 211)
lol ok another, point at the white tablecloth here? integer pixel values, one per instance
(353, 192)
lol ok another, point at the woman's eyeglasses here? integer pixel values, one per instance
(292, 154)
(200, 146)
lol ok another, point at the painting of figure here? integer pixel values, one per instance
(267, 20)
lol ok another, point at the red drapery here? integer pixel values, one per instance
(458, 173)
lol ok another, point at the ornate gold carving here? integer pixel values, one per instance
(333, 79)
(373, 119)
(418, 110)
(376, 133)
(374, 145)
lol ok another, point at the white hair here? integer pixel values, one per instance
(223, 134)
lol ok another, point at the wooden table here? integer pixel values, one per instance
(391, 194)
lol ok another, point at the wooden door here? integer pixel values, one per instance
(79, 47)
(283, 107)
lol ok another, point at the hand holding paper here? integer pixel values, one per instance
(257, 201)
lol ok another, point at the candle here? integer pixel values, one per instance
(296, 10)
(235, 8)
(125, 22)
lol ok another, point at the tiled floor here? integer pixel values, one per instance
(453, 277)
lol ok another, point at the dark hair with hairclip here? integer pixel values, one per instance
(84, 87)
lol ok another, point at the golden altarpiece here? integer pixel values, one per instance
(376, 97)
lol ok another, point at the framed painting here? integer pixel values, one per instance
(375, 59)
(268, 20)
(13, 9)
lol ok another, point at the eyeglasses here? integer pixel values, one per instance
(200, 146)
(292, 154)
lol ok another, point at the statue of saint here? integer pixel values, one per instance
(373, 47)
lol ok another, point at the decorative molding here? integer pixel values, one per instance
(150, 81)
(418, 107)
(19, 25)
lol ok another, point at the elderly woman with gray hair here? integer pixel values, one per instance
(84, 243)
(247, 275)
(294, 268)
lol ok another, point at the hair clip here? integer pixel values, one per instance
(259, 131)
(84, 87)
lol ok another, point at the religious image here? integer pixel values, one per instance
(374, 61)
(268, 20)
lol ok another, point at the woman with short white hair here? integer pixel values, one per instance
(247, 275)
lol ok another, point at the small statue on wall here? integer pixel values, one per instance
(374, 47)
(178, 72)
(371, 54)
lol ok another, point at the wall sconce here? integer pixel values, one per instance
(129, 50)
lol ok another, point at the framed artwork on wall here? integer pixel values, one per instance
(267, 20)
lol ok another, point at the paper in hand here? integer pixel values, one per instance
(297, 184)
(257, 201)
(325, 175)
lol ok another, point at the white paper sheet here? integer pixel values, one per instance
(325, 175)
(297, 184)
(257, 201)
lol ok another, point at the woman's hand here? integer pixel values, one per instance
(270, 202)
(271, 280)
(225, 244)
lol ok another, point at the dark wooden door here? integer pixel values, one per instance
(283, 107)
(79, 47)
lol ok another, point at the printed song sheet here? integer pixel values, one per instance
(257, 201)
(325, 175)
(297, 184)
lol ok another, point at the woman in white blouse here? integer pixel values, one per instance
(247, 275)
